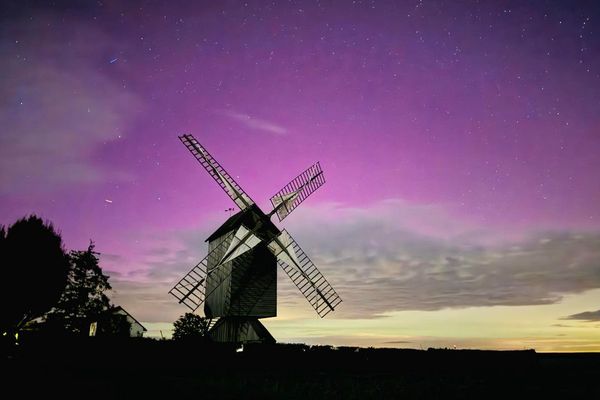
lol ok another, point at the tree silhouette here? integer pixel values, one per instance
(34, 267)
(113, 324)
(83, 301)
(190, 326)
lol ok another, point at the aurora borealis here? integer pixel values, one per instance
(460, 142)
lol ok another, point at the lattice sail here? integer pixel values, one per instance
(297, 191)
(305, 275)
(191, 289)
(242, 241)
(233, 190)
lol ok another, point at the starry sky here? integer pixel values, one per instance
(460, 143)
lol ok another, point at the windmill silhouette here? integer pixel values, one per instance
(237, 280)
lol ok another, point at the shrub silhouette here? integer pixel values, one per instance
(190, 326)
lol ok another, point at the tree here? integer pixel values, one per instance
(83, 301)
(34, 267)
(113, 324)
(190, 326)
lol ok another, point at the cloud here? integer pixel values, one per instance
(254, 123)
(588, 316)
(57, 105)
(148, 301)
(563, 326)
(141, 280)
(381, 261)
(391, 256)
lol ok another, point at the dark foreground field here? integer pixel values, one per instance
(136, 369)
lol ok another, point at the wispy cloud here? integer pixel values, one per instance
(563, 326)
(58, 108)
(253, 122)
(588, 316)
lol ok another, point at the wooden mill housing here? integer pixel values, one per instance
(243, 289)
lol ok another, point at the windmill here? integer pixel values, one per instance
(237, 280)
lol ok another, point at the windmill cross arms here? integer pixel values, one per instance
(295, 192)
(305, 275)
(233, 190)
(191, 289)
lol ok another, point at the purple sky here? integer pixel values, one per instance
(450, 134)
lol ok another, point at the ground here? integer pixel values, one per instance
(100, 368)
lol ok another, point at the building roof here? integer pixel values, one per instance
(248, 217)
(119, 308)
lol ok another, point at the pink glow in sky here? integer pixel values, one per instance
(458, 129)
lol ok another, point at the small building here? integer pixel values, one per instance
(136, 329)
